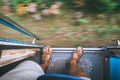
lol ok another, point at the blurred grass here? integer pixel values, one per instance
(61, 31)
(106, 31)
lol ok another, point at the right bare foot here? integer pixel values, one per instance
(71, 66)
(74, 59)
(77, 54)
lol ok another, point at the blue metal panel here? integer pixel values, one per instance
(115, 68)
(10, 23)
(13, 27)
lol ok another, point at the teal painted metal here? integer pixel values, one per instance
(10, 23)
(115, 68)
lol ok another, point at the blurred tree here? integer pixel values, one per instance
(14, 3)
(109, 5)
(1, 1)
(39, 1)
(91, 5)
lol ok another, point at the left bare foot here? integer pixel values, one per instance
(46, 54)
(45, 58)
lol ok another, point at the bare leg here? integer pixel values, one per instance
(73, 68)
(45, 58)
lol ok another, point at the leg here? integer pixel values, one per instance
(29, 70)
(45, 58)
(73, 68)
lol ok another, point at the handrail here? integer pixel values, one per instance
(12, 24)
(8, 45)
(66, 50)
(13, 44)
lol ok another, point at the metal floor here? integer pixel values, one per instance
(92, 62)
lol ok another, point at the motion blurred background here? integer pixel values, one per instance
(66, 23)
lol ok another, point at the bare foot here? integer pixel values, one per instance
(46, 54)
(77, 54)
(74, 59)
(45, 58)
(71, 65)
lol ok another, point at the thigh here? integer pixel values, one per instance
(27, 70)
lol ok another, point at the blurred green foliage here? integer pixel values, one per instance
(106, 31)
(76, 44)
(97, 5)
(82, 20)
(102, 5)
(1, 2)
(14, 3)
(91, 5)
(39, 1)
(109, 5)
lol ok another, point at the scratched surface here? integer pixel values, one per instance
(91, 62)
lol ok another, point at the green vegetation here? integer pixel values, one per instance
(99, 22)
(106, 31)
(109, 5)
(97, 5)
(84, 21)
(15, 3)
(1, 1)
(76, 44)
(102, 5)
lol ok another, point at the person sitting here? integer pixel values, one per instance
(30, 70)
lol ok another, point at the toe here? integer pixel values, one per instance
(78, 53)
(47, 50)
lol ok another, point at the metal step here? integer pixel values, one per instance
(92, 61)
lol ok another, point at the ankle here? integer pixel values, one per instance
(73, 62)
(70, 64)
(44, 66)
